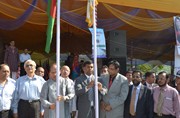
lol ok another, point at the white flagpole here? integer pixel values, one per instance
(95, 62)
(58, 56)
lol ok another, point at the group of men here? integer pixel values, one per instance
(27, 97)
(120, 99)
(33, 97)
(161, 100)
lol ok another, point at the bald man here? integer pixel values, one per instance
(48, 94)
(65, 72)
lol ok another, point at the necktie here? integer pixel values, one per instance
(132, 103)
(160, 102)
(90, 92)
(110, 83)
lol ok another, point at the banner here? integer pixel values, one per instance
(101, 43)
(176, 60)
(177, 47)
(177, 29)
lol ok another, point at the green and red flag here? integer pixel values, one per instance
(51, 12)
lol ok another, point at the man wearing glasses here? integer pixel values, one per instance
(112, 103)
(139, 103)
(166, 99)
(26, 103)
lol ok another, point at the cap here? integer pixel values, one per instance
(178, 73)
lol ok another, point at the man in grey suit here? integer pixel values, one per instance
(112, 104)
(48, 95)
(139, 103)
(84, 89)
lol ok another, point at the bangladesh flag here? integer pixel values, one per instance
(51, 12)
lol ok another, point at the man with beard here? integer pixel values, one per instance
(166, 99)
(139, 103)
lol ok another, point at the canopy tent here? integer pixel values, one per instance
(150, 33)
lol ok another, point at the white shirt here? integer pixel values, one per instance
(150, 86)
(6, 94)
(131, 83)
(23, 57)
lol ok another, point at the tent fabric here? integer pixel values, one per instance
(156, 24)
(158, 5)
(148, 41)
(150, 24)
(14, 24)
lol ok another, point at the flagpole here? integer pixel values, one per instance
(95, 61)
(58, 56)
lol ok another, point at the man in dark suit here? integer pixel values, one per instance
(84, 89)
(139, 103)
(150, 78)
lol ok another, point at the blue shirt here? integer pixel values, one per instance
(24, 57)
(6, 94)
(27, 89)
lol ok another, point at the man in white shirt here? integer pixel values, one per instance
(23, 57)
(7, 88)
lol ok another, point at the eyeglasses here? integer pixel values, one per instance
(135, 76)
(30, 65)
(161, 79)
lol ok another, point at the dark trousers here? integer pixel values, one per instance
(22, 71)
(91, 113)
(28, 109)
(6, 114)
(132, 116)
(163, 116)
